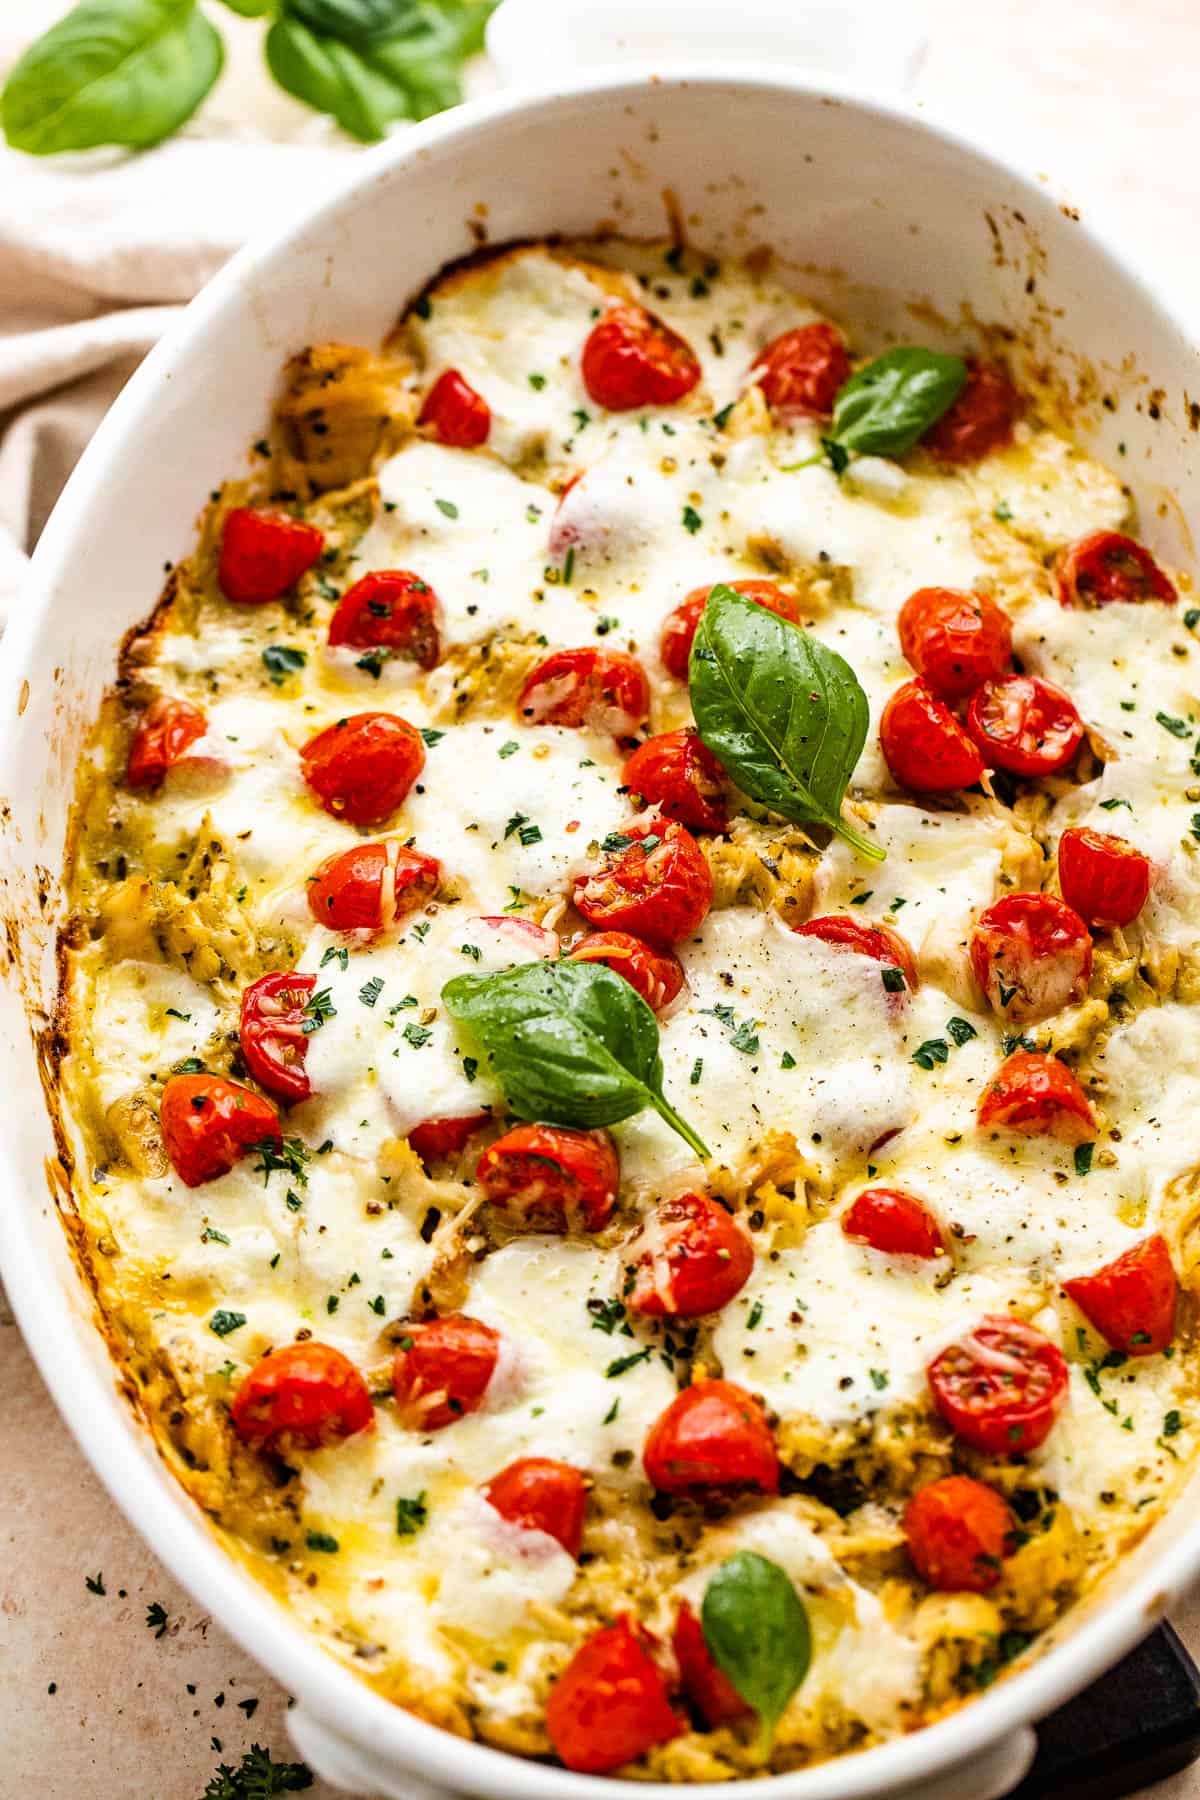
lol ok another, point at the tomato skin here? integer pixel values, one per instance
(662, 896)
(442, 1369)
(1000, 1387)
(1107, 566)
(1105, 879)
(981, 419)
(690, 1257)
(1034, 1093)
(435, 1138)
(1131, 1300)
(263, 554)
(304, 1396)
(954, 640)
(881, 943)
(888, 1219)
(1032, 955)
(361, 768)
(165, 732)
(656, 974)
(632, 359)
(602, 689)
(801, 371)
(393, 610)
(273, 1039)
(610, 1703)
(371, 886)
(959, 1531)
(924, 745)
(457, 415)
(706, 1687)
(207, 1123)
(541, 1495)
(713, 1434)
(675, 646)
(678, 773)
(1025, 725)
(550, 1177)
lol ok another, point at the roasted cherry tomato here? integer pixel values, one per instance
(207, 1123)
(959, 1533)
(602, 689)
(1107, 566)
(371, 886)
(632, 359)
(391, 610)
(1105, 879)
(456, 414)
(263, 554)
(303, 1396)
(434, 1138)
(801, 371)
(889, 1219)
(954, 640)
(165, 732)
(551, 1177)
(1001, 1386)
(1025, 725)
(1032, 955)
(678, 773)
(610, 1703)
(542, 1495)
(880, 942)
(713, 1434)
(655, 974)
(659, 887)
(923, 743)
(361, 768)
(690, 1257)
(675, 646)
(1034, 1093)
(1131, 1301)
(442, 1369)
(981, 419)
(274, 1032)
(705, 1686)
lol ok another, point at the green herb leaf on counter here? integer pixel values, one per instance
(257, 1777)
(156, 1618)
(756, 1627)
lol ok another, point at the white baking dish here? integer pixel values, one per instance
(876, 210)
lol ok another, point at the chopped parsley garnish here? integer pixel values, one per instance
(336, 953)
(879, 1379)
(537, 382)
(1002, 511)
(933, 1050)
(787, 1060)
(745, 1038)
(470, 1067)
(623, 1364)
(417, 1035)
(370, 991)
(612, 1412)
(1177, 727)
(430, 737)
(697, 1071)
(282, 660)
(509, 749)
(471, 950)
(191, 1065)
(1083, 1158)
(317, 1008)
(95, 1583)
(1112, 805)
(257, 1777)
(321, 1540)
(568, 568)
(224, 1321)
(607, 1315)
(210, 1235)
(411, 1515)
(961, 1030)
(721, 419)
(861, 899)
(893, 980)
(292, 1200)
(378, 1305)
(291, 1156)
(173, 1012)
(447, 507)
(372, 662)
(691, 520)
(755, 1316)
(156, 1618)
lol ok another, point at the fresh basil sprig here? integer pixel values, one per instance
(570, 1043)
(756, 1627)
(785, 716)
(889, 405)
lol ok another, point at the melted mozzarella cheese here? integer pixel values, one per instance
(145, 1018)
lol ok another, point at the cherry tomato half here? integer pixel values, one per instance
(302, 1396)
(1024, 724)
(552, 1178)
(610, 1704)
(542, 1495)
(632, 359)
(361, 768)
(880, 942)
(165, 732)
(713, 1434)
(923, 743)
(658, 887)
(705, 1686)
(442, 1369)
(690, 1257)
(1034, 1093)
(801, 371)
(371, 886)
(675, 646)
(981, 419)
(1032, 955)
(1105, 879)
(678, 773)
(263, 554)
(207, 1123)
(392, 610)
(1131, 1301)
(457, 415)
(959, 1531)
(954, 640)
(602, 689)
(1000, 1387)
(1107, 566)
(433, 1139)
(274, 1032)
(888, 1219)
(654, 973)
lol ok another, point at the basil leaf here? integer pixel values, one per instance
(250, 9)
(125, 72)
(458, 25)
(570, 1043)
(756, 1626)
(889, 404)
(785, 715)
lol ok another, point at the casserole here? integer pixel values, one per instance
(1001, 249)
